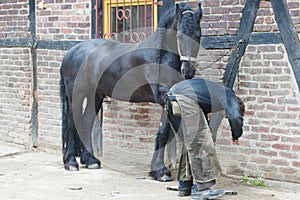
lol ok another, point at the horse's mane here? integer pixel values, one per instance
(169, 17)
(169, 21)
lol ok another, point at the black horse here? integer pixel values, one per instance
(141, 72)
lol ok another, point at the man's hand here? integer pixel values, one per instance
(235, 142)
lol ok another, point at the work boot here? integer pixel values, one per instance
(184, 188)
(207, 194)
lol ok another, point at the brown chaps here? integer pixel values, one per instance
(198, 158)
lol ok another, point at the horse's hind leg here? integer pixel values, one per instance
(69, 159)
(86, 157)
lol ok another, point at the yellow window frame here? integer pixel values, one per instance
(107, 14)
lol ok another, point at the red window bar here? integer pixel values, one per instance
(129, 21)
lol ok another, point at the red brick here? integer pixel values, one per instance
(288, 170)
(286, 116)
(265, 4)
(279, 130)
(292, 5)
(259, 159)
(267, 168)
(267, 153)
(229, 2)
(296, 164)
(294, 109)
(296, 147)
(289, 155)
(269, 137)
(280, 162)
(281, 146)
(210, 3)
(247, 151)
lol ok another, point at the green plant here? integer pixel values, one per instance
(259, 182)
(245, 180)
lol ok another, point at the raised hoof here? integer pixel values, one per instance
(94, 166)
(165, 178)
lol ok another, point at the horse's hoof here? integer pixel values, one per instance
(162, 174)
(72, 168)
(165, 178)
(94, 166)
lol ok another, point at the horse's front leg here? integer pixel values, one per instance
(84, 124)
(158, 169)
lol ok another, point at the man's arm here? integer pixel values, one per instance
(235, 118)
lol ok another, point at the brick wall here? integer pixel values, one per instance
(64, 20)
(270, 144)
(14, 19)
(15, 85)
(15, 102)
(61, 20)
(269, 147)
(131, 126)
(49, 111)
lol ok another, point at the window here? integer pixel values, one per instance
(129, 20)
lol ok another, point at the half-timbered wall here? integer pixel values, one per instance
(270, 144)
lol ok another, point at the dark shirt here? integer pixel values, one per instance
(213, 97)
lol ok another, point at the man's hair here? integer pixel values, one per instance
(242, 106)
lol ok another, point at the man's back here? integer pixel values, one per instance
(210, 95)
(213, 97)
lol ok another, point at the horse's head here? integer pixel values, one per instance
(188, 37)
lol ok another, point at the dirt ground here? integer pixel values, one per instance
(32, 174)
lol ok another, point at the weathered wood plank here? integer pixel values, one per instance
(56, 45)
(33, 65)
(228, 41)
(289, 35)
(241, 41)
(14, 42)
(207, 42)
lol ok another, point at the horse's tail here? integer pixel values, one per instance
(65, 111)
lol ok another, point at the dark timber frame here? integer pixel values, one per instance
(287, 36)
(33, 43)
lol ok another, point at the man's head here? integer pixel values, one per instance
(242, 106)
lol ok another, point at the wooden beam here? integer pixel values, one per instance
(14, 42)
(56, 45)
(228, 41)
(241, 41)
(207, 42)
(33, 63)
(289, 36)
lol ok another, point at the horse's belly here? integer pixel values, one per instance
(129, 92)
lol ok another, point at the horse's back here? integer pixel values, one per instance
(79, 52)
(99, 47)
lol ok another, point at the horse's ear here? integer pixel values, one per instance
(178, 12)
(199, 13)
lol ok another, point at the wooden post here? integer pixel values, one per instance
(33, 45)
(241, 41)
(289, 36)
